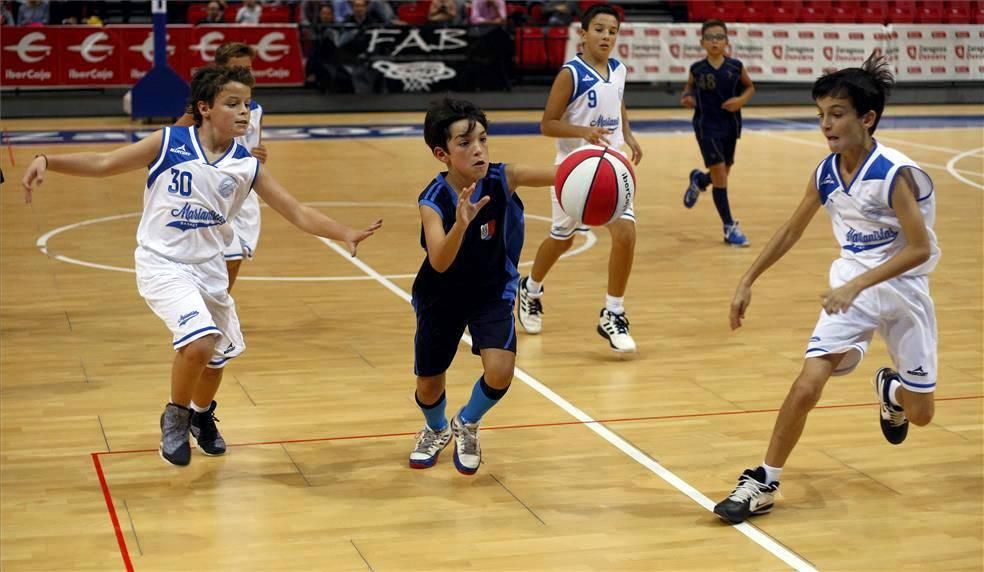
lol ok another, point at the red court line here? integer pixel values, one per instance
(112, 513)
(126, 555)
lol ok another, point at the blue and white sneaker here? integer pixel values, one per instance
(692, 193)
(734, 236)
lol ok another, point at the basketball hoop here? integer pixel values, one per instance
(416, 76)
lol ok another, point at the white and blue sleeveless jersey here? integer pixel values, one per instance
(252, 137)
(864, 222)
(188, 201)
(596, 102)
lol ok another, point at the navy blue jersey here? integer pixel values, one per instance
(486, 265)
(712, 87)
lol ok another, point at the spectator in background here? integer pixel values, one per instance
(362, 16)
(445, 12)
(249, 13)
(561, 13)
(488, 12)
(33, 12)
(6, 18)
(214, 14)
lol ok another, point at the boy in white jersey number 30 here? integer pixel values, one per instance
(198, 179)
(882, 208)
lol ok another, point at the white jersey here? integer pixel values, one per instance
(595, 102)
(188, 201)
(861, 212)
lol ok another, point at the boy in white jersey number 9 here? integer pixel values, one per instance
(199, 177)
(882, 208)
(585, 106)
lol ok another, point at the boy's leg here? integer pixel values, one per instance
(436, 434)
(529, 308)
(203, 419)
(189, 362)
(613, 324)
(439, 329)
(232, 267)
(755, 492)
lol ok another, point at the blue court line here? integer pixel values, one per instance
(120, 136)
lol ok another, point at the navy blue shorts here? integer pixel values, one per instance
(718, 149)
(440, 325)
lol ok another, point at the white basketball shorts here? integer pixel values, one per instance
(900, 309)
(245, 229)
(193, 300)
(563, 227)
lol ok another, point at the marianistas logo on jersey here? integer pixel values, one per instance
(606, 122)
(195, 217)
(867, 240)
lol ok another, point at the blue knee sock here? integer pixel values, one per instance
(434, 413)
(721, 203)
(483, 398)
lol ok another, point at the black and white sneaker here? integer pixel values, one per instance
(615, 329)
(751, 497)
(529, 309)
(175, 448)
(205, 432)
(894, 425)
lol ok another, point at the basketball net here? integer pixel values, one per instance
(416, 76)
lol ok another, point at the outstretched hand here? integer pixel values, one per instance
(743, 297)
(466, 209)
(35, 173)
(357, 236)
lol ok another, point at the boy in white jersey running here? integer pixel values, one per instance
(246, 224)
(882, 208)
(198, 178)
(585, 106)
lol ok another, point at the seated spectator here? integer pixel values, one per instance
(380, 10)
(445, 12)
(6, 18)
(249, 13)
(362, 16)
(561, 13)
(488, 12)
(214, 14)
(33, 12)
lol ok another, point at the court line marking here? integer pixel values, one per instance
(956, 172)
(765, 541)
(590, 238)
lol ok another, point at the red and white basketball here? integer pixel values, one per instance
(594, 185)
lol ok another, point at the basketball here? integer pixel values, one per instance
(594, 185)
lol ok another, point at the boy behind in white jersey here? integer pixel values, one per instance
(198, 178)
(882, 208)
(585, 106)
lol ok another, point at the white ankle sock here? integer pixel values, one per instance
(532, 286)
(615, 304)
(771, 473)
(893, 387)
(198, 408)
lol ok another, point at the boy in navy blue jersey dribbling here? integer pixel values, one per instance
(472, 230)
(717, 89)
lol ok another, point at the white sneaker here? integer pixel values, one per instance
(467, 450)
(429, 445)
(615, 329)
(529, 309)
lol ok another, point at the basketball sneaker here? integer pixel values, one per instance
(205, 432)
(751, 497)
(615, 329)
(529, 309)
(693, 191)
(175, 422)
(734, 236)
(894, 425)
(467, 450)
(429, 445)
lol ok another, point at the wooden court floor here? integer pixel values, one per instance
(592, 462)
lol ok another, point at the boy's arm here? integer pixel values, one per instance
(186, 120)
(551, 124)
(525, 176)
(306, 218)
(735, 103)
(687, 100)
(133, 156)
(443, 248)
(780, 243)
(915, 252)
(630, 139)
(260, 152)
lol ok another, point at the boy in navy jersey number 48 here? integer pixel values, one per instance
(472, 231)
(717, 89)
